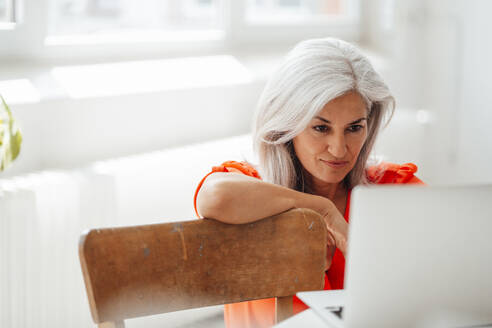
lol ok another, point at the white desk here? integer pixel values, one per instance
(306, 318)
(317, 300)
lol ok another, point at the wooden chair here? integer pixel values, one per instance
(150, 269)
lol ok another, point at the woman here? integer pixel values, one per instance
(315, 126)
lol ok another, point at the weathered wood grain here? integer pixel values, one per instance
(151, 269)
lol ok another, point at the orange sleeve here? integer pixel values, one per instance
(228, 166)
(393, 173)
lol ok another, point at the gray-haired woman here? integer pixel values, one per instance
(315, 126)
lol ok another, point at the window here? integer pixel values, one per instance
(8, 14)
(294, 11)
(3, 10)
(132, 20)
(288, 21)
(97, 30)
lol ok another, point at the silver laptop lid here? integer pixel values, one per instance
(419, 256)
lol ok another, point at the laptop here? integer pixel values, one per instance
(417, 257)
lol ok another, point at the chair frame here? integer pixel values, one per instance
(151, 269)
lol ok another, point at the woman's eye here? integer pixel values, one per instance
(320, 128)
(355, 128)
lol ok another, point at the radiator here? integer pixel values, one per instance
(43, 214)
(41, 218)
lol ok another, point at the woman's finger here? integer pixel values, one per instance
(330, 251)
(337, 229)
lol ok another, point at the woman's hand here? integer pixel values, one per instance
(337, 229)
(335, 223)
(330, 251)
(336, 226)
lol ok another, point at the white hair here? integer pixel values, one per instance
(312, 74)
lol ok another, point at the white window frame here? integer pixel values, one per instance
(12, 16)
(260, 34)
(28, 39)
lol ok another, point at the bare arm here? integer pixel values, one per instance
(236, 198)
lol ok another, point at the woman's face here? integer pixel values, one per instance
(329, 146)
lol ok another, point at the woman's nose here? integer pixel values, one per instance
(337, 146)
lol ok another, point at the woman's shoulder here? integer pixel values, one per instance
(243, 167)
(386, 172)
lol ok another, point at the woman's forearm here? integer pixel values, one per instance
(236, 198)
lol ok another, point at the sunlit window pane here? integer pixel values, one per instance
(6, 11)
(272, 11)
(2, 10)
(103, 17)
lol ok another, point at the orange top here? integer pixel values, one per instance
(261, 313)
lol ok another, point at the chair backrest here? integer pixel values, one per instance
(150, 269)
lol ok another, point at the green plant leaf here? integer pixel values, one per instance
(10, 136)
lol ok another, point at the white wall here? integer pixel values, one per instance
(438, 60)
(67, 133)
(459, 147)
(474, 147)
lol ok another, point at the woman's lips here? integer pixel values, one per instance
(336, 164)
